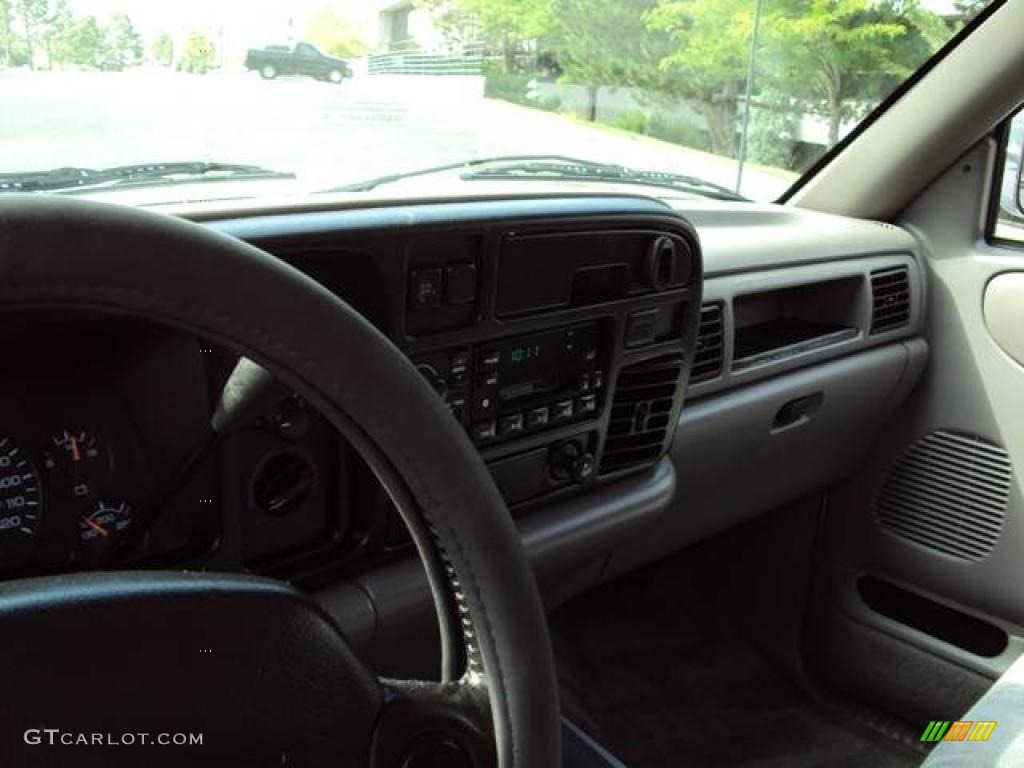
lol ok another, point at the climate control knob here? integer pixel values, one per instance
(569, 461)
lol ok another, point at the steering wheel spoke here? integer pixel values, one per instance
(435, 725)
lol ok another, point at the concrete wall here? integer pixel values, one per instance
(613, 102)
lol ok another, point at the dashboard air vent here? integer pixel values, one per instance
(890, 292)
(641, 413)
(707, 358)
(949, 493)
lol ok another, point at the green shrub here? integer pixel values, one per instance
(667, 128)
(548, 104)
(510, 86)
(632, 120)
(772, 135)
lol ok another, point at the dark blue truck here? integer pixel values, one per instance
(300, 59)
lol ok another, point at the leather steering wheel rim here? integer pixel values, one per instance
(59, 253)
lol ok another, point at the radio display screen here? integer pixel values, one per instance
(544, 362)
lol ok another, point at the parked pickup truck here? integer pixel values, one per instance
(300, 59)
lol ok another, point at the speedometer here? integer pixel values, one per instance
(20, 503)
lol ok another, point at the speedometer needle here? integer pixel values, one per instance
(75, 455)
(96, 527)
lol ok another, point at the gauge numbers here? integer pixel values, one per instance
(102, 527)
(20, 503)
(73, 462)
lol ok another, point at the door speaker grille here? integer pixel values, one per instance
(949, 493)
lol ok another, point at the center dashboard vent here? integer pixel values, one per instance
(890, 293)
(641, 413)
(707, 357)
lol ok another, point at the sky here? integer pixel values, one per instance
(244, 22)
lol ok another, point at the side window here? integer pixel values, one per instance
(1009, 209)
(304, 49)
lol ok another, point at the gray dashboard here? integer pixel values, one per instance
(812, 354)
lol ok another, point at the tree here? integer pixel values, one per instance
(457, 25)
(197, 55)
(708, 61)
(605, 42)
(162, 50)
(507, 26)
(56, 25)
(839, 54)
(124, 43)
(966, 10)
(33, 15)
(334, 34)
(6, 33)
(82, 44)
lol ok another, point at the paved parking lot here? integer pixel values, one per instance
(363, 128)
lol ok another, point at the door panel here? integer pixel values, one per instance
(937, 513)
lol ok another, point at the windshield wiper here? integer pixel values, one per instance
(142, 174)
(554, 168)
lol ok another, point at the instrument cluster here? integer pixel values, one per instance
(96, 417)
(65, 495)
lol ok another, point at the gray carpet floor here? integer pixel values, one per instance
(658, 673)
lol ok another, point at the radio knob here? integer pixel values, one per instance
(661, 263)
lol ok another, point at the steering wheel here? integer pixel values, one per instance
(251, 665)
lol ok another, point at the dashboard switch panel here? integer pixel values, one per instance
(524, 384)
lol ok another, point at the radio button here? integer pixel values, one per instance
(459, 408)
(585, 383)
(489, 358)
(586, 405)
(512, 424)
(484, 432)
(489, 380)
(484, 403)
(598, 379)
(459, 368)
(561, 410)
(425, 288)
(537, 418)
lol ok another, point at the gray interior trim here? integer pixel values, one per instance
(746, 237)
(726, 289)
(1004, 313)
(850, 602)
(567, 543)
(973, 388)
(730, 435)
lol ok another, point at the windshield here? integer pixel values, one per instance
(719, 98)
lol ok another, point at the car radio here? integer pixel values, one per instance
(502, 389)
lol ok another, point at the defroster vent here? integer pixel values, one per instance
(641, 413)
(890, 293)
(707, 357)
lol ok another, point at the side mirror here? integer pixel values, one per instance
(1011, 199)
(1019, 179)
